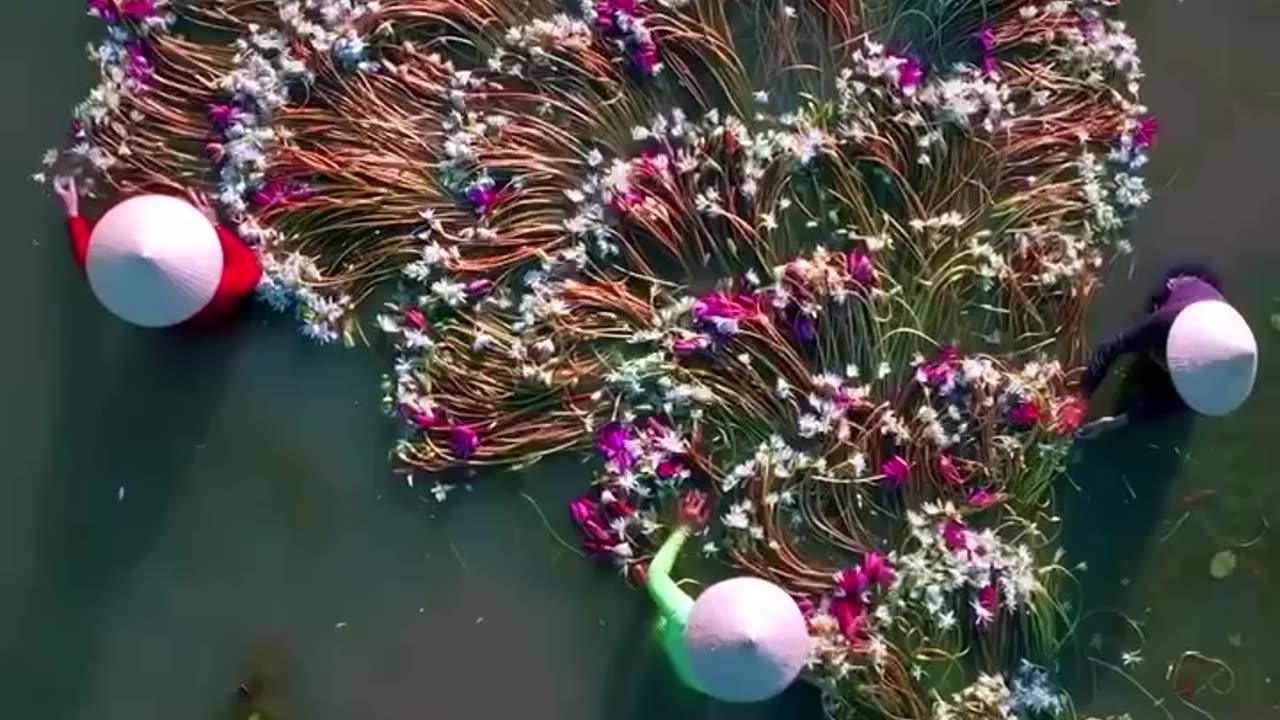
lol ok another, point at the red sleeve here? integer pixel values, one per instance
(79, 229)
(240, 269)
(240, 274)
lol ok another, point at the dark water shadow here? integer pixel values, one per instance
(140, 431)
(1120, 484)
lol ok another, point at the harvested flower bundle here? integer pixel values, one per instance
(827, 259)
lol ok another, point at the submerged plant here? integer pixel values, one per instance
(828, 260)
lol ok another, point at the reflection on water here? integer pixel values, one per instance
(262, 561)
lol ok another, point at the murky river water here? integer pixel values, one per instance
(176, 514)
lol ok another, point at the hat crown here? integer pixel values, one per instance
(154, 260)
(1213, 357)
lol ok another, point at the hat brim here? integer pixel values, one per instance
(154, 261)
(746, 640)
(1212, 356)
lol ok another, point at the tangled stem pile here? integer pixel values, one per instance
(826, 258)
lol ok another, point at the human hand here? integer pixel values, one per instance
(1069, 414)
(694, 509)
(65, 188)
(1100, 426)
(200, 201)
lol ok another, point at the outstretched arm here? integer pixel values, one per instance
(78, 229)
(1137, 337)
(673, 602)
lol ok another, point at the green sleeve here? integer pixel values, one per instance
(674, 604)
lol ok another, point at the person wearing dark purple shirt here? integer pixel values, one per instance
(1206, 351)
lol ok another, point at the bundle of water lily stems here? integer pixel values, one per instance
(827, 259)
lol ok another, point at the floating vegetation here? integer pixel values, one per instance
(828, 260)
(1222, 564)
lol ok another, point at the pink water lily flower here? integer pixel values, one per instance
(645, 57)
(139, 10)
(948, 470)
(105, 8)
(1025, 415)
(138, 67)
(686, 343)
(483, 195)
(414, 318)
(851, 616)
(861, 269)
(670, 468)
(418, 416)
(722, 305)
(479, 287)
(1145, 134)
(277, 190)
(581, 508)
(983, 498)
(609, 11)
(895, 471)
(425, 419)
(612, 441)
(910, 74)
(463, 440)
(955, 535)
(987, 40)
(852, 581)
(877, 569)
(987, 605)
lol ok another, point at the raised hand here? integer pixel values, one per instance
(1068, 416)
(65, 188)
(201, 202)
(694, 509)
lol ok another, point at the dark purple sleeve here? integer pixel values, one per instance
(1148, 333)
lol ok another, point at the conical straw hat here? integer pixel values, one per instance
(746, 640)
(154, 260)
(1213, 357)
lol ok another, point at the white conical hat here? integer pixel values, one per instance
(746, 640)
(1213, 357)
(154, 260)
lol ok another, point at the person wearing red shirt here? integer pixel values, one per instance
(239, 275)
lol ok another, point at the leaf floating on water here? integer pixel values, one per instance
(1222, 564)
(1235, 639)
(1275, 320)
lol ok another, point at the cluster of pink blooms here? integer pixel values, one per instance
(792, 301)
(638, 457)
(962, 542)
(646, 445)
(114, 10)
(601, 520)
(646, 170)
(944, 375)
(910, 74)
(424, 418)
(987, 42)
(484, 193)
(278, 191)
(138, 67)
(463, 439)
(852, 597)
(623, 21)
